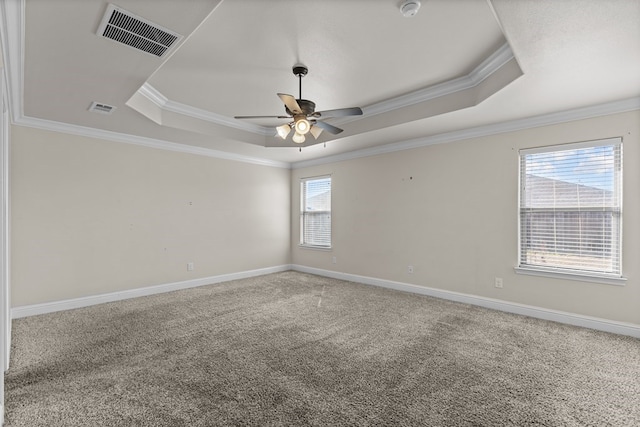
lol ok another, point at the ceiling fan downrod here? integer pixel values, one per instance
(300, 71)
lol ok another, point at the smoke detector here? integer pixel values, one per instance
(409, 8)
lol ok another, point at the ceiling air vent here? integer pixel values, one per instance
(127, 28)
(97, 107)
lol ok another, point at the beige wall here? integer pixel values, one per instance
(450, 211)
(91, 216)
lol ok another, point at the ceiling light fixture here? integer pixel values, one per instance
(302, 125)
(409, 8)
(298, 138)
(283, 130)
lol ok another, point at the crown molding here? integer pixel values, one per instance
(145, 142)
(615, 107)
(493, 63)
(12, 15)
(162, 102)
(485, 69)
(153, 95)
(609, 108)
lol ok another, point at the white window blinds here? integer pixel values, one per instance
(571, 208)
(315, 212)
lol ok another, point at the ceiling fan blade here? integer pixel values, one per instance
(262, 117)
(291, 103)
(340, 112)
(329, 128)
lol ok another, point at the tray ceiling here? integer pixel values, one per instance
(454, 66)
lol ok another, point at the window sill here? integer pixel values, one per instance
(594, 278)
(316, 248)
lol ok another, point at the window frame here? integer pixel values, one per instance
(303, 211)
(616, 278)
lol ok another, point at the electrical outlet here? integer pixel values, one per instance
(410, 269)
(499, 282)
(189, 266)
(334, 260)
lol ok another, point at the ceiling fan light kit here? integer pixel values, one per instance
(302, 125)
(303, 114)
(283, 130)
(298, 138)
(315, 131)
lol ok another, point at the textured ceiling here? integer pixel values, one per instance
(456, 65)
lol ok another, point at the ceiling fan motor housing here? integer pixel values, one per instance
(307, 107)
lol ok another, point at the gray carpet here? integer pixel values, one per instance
(295, 349)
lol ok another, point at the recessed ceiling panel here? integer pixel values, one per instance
(358, 53)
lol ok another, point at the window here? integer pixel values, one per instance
(571, 208)
(315, 212)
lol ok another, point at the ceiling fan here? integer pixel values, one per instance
(304, 118)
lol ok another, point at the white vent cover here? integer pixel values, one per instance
(97, 107)
(125, 27)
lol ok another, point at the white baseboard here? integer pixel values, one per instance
(50, 307)
(605, 325)
(621, 328)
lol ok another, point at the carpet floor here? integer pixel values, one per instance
(293, 349)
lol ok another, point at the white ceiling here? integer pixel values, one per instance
(454, 67)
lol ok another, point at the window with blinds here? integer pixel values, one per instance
(315, 212)
(571, 208)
